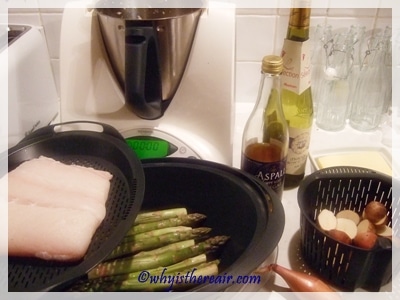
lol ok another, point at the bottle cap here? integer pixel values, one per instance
(272, 64)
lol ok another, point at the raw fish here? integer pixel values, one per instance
(54, 208)
(27, 191)
(49, 172)
(49, 233)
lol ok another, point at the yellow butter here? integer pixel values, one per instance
(365, 159)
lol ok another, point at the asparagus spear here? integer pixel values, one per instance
(182, 220)
(176, 280)
(183, 265)
(162, 278)
(98, 284)
(128, 265)
(172, 246)
(157, 241)
(157, 232)
(152, 216)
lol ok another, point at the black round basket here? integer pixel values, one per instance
(235, 203)
(337, 188)
(104, 150)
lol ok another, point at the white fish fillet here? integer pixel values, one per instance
(54, 208)
(49, 172)
(26, 190)
(49, 233)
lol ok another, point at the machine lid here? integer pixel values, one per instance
(143, 14)
(166, 11)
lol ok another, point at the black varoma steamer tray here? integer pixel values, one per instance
(235, 203)
(104, 150)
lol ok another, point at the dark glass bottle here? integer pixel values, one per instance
(266, 136)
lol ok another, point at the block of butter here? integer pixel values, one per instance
(374, 160)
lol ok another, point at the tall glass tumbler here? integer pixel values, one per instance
(335, 85)
(358, 33)
(370, 94)
(323, 39)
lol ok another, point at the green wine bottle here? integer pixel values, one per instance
(296, 92)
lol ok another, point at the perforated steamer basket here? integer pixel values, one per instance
(337, 188)
(103, 150)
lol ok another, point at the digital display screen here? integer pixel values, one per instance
(150, 147)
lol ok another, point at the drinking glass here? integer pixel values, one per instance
(335, 85)
(323, 40)
(371, 89)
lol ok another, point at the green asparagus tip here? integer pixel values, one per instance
(217, 241)
(196, 217)
(152, 216)
(200, 231)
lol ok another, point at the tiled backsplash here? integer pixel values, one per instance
(259, 32)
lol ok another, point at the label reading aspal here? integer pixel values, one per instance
(296, 74)
(272, 173)
(299, 141)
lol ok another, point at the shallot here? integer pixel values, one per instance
(305, 286)
(300, 282)
(375, 211)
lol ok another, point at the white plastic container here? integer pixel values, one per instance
(33, 101)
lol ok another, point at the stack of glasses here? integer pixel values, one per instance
(352, 79)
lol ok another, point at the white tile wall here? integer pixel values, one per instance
(255, 36)
(259, 32)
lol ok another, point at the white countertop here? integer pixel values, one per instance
(288, 247)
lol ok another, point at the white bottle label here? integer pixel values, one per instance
(299, 142)
(296, 74)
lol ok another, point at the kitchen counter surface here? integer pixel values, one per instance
(288, 254)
